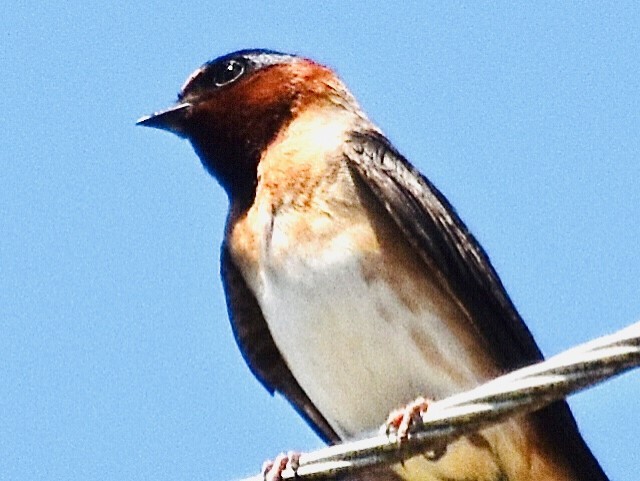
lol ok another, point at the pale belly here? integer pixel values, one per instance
(365, 329)
(354, 345)
(359, 350)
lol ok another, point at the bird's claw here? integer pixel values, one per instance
(401, 421)
(272, 470)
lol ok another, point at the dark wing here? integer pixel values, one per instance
(442, 240)
(259, 350)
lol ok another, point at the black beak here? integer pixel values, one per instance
(172, 119)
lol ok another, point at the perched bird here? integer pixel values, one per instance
(352, 285)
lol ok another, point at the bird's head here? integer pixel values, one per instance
(232, 107)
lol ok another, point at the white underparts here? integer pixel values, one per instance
(355, 348)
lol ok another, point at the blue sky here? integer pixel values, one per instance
(116, 356)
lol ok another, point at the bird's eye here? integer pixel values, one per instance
(228, 72)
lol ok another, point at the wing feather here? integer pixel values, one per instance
(442, 240)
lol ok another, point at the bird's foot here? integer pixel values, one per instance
(400, 421)
(272, 470)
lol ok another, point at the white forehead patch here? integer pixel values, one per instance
(192, 77)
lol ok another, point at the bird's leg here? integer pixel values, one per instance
(272, 470)
(400, 421)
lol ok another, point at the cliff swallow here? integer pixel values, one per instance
(352, 285)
